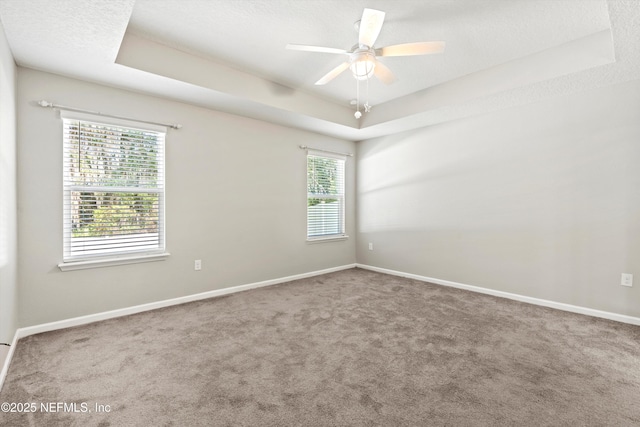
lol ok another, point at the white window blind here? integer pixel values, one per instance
(325, 195)
(113, 188)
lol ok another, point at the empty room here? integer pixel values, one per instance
(319, 212)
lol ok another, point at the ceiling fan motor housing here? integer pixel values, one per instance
(362, 62)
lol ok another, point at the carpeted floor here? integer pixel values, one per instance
(348, 348)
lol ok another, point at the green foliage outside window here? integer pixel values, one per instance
(104, 156)
(322, 179)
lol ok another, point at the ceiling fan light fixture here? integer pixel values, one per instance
(363, 64)
(362, 56)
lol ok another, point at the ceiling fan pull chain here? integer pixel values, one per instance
(358, 114)
(367, 107)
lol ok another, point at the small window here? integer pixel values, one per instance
(113, 188)
(325, 196)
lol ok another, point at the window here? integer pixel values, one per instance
(113, 188)
(325, 196)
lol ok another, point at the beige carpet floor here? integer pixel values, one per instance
(352, 348)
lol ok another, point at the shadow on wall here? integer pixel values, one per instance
(516, 179)
(539, 200)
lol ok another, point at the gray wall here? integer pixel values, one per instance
(236, 199)
(8, 209)
(541, 200)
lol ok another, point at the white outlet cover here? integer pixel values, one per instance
(626, 280)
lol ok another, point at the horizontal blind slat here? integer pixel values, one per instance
(325, 196)
(113, 189)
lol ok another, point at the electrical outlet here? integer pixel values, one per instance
(627, 279)
(370, 246)
(198, 265)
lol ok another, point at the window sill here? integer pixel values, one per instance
(108, 262)
(324, 239)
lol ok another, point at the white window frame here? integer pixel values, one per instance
(341, 235)
(76, 262)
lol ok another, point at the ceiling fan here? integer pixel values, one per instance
(362, 56)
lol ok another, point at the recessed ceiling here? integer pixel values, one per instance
(230, 54)
(251, 36)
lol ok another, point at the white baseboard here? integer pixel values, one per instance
(7, 360)
(83, 320)
(536, 301)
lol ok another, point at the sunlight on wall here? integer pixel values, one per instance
(539, 200)
(461, 175)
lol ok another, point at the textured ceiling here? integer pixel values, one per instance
(230, 55)
(251, 35)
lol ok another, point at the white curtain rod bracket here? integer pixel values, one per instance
(47, 104)
(304, 147)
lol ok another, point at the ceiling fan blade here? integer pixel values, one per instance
(370, 26)
(333, 73)
(408, 49)
(314, 48)
(383, 73)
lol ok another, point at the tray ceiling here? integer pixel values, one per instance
(229, 54)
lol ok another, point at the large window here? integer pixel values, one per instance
(113, 188)
(325, 196)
